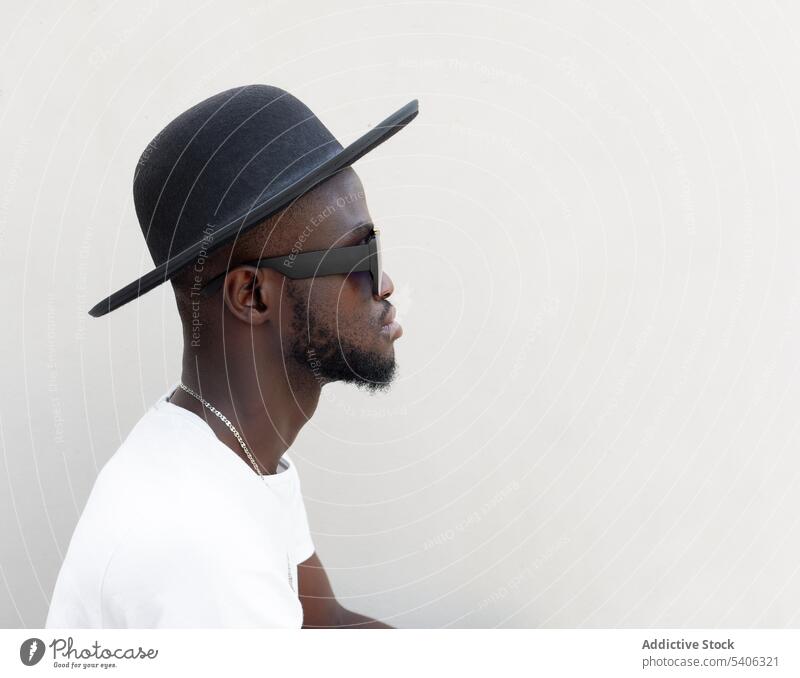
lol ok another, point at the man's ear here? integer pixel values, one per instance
(251, 293)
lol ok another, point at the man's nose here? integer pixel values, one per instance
(387, 287)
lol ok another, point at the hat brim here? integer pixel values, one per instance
(347, 156)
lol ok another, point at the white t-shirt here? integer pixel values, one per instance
(180, 532)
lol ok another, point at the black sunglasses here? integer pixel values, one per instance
(337, 260)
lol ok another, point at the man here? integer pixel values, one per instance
(251, 209)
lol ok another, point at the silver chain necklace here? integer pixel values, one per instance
(227, 423)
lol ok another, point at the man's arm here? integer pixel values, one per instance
(320, 607)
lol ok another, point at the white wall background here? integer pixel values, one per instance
(593, 231)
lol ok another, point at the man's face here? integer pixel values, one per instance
(339, 330)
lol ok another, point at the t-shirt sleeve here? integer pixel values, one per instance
(303, 543)
(180, 580)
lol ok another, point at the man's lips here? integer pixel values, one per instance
(391, 328)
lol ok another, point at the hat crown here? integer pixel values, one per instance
(221, 158)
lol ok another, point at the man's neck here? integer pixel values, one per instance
(268, 404)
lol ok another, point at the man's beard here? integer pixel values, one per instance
(330, 356)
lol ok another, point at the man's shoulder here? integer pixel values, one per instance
(154, 476)
(171, 479)
(164, 447)
(165, 423)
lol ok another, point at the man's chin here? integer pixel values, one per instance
(368, 370)
(375, 382)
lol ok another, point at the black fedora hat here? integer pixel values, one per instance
(224, 166)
